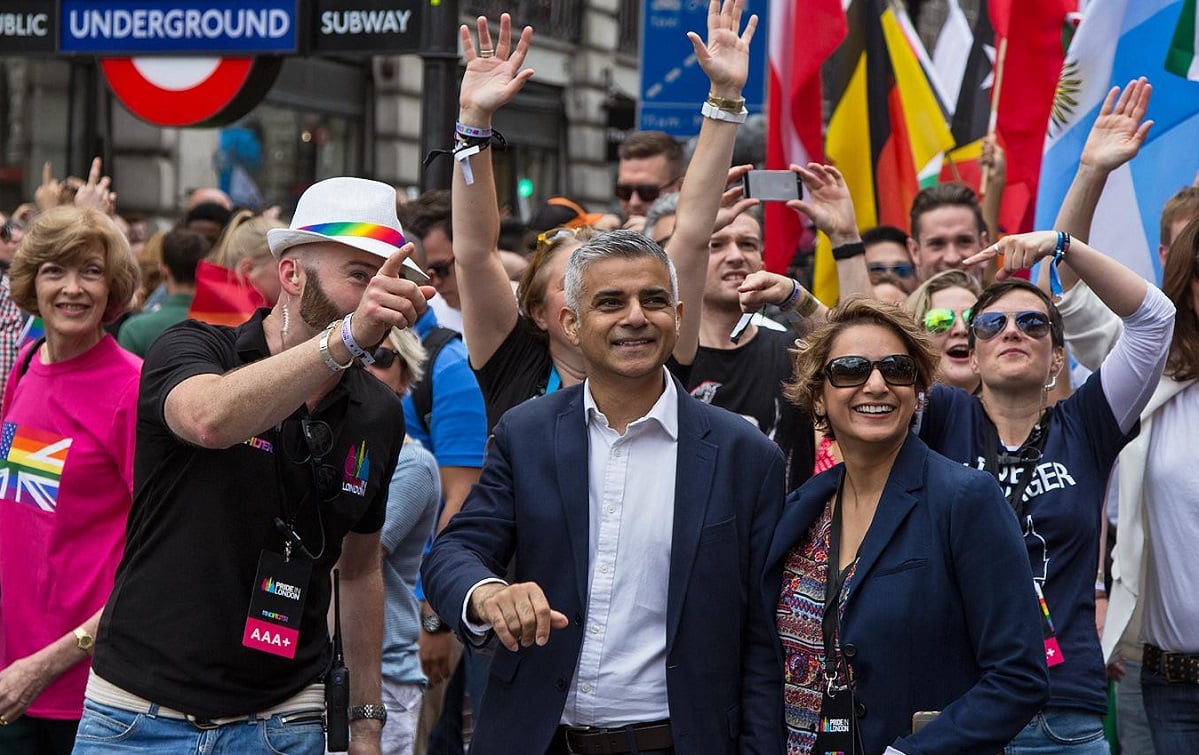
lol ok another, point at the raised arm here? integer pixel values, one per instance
(493, 77)
(1115, 138)
(725, 59)
(830, 207)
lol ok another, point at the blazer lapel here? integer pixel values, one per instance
(571, 460)
(907, 475)
(802, 508)
(696, 465)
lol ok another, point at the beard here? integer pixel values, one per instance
(316, 310)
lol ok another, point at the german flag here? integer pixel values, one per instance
(887, 122)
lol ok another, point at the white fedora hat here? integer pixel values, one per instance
(356, 212)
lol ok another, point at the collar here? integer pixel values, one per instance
(665, 411)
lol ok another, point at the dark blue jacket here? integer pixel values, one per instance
(724, 685)
(941, 615)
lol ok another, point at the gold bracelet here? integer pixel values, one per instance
(809, 305)
(726, 104)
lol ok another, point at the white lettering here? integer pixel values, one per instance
(358, 488)
(157, 24)
(23, 24)
(346, 22)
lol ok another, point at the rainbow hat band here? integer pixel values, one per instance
(361, 230)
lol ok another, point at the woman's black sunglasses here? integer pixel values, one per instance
(384, 357)
(849, 372)
(987, 325)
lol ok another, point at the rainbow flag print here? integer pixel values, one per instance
(31, 464)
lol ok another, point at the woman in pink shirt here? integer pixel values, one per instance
(66, 472)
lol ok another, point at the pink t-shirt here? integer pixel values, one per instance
(66, 481)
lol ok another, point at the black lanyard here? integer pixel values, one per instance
(833, 583)
(1025, 459)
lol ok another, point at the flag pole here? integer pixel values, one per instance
(994, 117)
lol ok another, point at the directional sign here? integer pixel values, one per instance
(673, 86)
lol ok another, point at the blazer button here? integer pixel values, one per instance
(560, 684)
(859, 709)
(850, 650)
(578, 619)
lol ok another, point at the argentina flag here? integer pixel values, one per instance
(1118, 41)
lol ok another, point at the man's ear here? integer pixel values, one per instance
(570, 324)
(913, 251)
(289, 275)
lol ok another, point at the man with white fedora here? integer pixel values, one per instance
(263, 461)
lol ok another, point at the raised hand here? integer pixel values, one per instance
(46, 195)
(763, 287)
(828, 203)
(733, 202)
(1018, 252)
(493, 74)
(390, 300)
(94, 194)
(725, 56)
(1120, 129)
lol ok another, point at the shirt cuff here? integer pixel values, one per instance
(479, 630)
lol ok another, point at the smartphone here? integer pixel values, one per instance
(922, 718)
(772, 185)
(410, 271)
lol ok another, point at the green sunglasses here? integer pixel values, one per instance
(940, 319)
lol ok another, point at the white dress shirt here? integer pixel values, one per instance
(621, 675)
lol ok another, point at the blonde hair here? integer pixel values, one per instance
(920, 301)
(406, 343)
(244, 237)
(65, 235)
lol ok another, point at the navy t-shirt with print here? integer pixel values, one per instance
(1063, 503)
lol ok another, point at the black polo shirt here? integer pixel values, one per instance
(172, 628)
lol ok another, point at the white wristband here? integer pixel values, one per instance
(708, 110)
(356, 351)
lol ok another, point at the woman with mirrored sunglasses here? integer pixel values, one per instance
(942, 304)
(896, 580)
(1053, 461)
(517, 346)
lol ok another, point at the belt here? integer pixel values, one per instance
(1174, 667)
(308, 702)
(588, 740)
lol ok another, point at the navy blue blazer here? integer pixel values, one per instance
(724, 684)
(941, 614)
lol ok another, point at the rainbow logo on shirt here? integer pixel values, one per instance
(357, 470)
(31, 464)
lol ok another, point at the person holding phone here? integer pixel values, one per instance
(896, 580)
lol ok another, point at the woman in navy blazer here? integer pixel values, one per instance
(936, 612)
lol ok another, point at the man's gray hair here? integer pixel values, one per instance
(622, 244)
(663, 207)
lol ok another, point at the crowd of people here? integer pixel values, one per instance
(597, 482)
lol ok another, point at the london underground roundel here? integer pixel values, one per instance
(190, 91)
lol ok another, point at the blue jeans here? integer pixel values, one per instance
(1059, 730)
(1173, 712)
(1132, 727)
(112, 730)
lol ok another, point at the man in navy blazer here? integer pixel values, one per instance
(632, 606)
(942, 615)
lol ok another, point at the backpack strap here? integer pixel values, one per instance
(422, 392)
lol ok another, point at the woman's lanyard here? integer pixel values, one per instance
(1021, 462)
(554, 382)
(833, 583)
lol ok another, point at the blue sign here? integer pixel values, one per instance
(214, 27)
(673, 86)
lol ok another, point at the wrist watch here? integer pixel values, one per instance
(432, 623)
(84, 640)
(371, 710)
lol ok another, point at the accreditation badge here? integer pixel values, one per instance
(277, 604)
